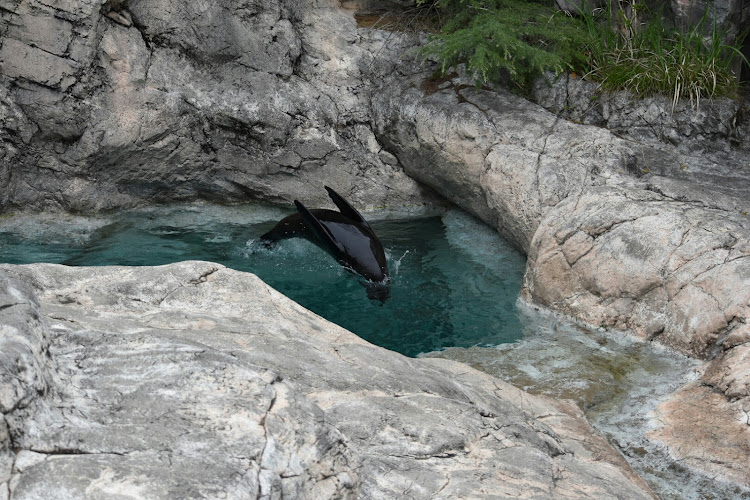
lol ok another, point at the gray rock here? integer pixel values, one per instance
(619, 234)
(531, 175)
(691, 126)
(192, 380)
(23, 347)
(638, 261)
(190, 101)
(504, 159)
(377, 6)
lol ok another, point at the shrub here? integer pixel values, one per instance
(522, 39)
(519, 38)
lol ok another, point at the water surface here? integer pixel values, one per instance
(454, 280)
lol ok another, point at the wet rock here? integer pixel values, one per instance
(617, 380)
(718, 402)
(170, 381)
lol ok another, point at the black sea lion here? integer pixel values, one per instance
(345, 235)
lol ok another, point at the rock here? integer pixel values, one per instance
(719, 404)
(377, 6)
(723, 448)
(637, 261)
(24, 347)
(500, 157)
(169, 382)
(618, 234)
(649, 263)
(168, 101)
(691, 126)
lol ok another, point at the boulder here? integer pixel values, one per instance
(192, 380)
(640, 262)
(498, 156)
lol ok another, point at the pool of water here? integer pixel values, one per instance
(454, 280)
(454, 292)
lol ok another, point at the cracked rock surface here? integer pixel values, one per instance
(192, 380)
(618, 233)
(108, 104)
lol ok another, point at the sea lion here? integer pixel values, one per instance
(345, 235)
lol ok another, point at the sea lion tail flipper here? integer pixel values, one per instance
(319, 230)
(345, 208)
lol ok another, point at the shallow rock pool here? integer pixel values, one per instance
(454, 280)
(454, 294)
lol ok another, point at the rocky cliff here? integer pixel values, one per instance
(111, 104)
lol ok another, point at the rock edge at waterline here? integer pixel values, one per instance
(192, 380)
(666, 256)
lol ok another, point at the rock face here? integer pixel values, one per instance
(691, 126)
(110, 104)
(618, 233)
(647, 261)
(637, 261)
(496, 155)
(193, 380)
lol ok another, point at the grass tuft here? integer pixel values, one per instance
(521, 39)
(655, 59)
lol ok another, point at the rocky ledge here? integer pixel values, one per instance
(193, 380)
(620, 234)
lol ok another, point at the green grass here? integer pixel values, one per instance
(519, 40)
(654, 59)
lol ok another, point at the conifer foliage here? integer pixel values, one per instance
(507, 38)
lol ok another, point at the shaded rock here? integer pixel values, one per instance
(685, 152)
(23, 347)
(692, 126)
(377, 6)
(168, 101)
(171, 381)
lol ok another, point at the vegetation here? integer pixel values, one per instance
(521, 39)
(655, 59)
(517, 38)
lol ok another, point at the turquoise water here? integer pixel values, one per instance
(454, 280)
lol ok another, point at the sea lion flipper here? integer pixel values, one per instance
(288, 227)
(345, 208)
(319, 230)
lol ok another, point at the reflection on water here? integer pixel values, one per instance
(454, 281)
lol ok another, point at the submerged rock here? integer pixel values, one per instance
(193, 380)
